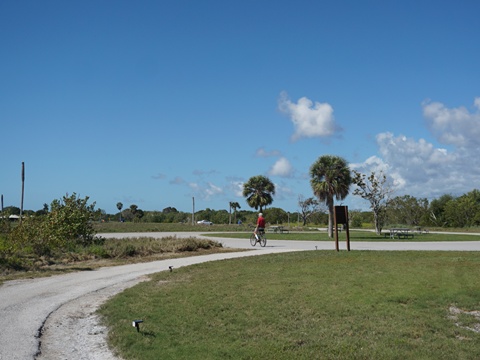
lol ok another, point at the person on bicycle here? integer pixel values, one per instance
(260, 224)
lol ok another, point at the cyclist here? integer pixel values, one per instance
(260, 225)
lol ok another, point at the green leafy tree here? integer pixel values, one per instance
(275, 215)
(206, 214)
(134, 213)
(67, 225)
(11, 210)
(330, 179)
(308, 207)
(70, 221)
(408, 210)
(376, 191)
(464, 211)
(259, 191)
(220, 217)
(437, 210)
(355, 217)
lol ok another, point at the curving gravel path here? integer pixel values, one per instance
(54, 318)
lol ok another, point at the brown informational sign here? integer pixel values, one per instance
(341, 218)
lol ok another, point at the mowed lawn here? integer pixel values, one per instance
(305, 305)
(355, 235)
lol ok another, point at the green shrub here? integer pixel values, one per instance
(70, 222)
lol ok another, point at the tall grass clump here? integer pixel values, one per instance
(146, 246)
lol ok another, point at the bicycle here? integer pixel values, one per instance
(260, 238)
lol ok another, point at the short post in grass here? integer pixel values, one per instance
(341, 217)
(136, 324)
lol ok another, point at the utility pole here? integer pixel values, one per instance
(23, 190)
(193, 210)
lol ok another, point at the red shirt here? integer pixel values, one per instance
(261, 222)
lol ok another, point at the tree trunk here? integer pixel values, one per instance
(378, 229)
(330, 217)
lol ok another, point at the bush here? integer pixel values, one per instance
(70, 221)
(68, 225)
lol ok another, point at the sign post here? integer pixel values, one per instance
(341, 217)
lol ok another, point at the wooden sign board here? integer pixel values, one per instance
(341, 218)
(341, 214)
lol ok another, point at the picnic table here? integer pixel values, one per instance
(400, 233)
(277, 229)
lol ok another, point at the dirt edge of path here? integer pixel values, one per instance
(74, 330)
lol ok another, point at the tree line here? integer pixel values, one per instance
(331, 180)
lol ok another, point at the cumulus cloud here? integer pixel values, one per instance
(237, 188)
(422, 169)
(212, 190)
(418, 168)
(284, 192)
(282, 167)
(457, 126)
(309, 119)
(205, 191)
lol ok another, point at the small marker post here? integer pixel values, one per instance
(136, 324)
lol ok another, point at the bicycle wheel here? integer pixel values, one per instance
(263, 240)
(253, 240)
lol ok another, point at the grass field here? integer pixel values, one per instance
(305, 305)
(355, 235)
(113, 227)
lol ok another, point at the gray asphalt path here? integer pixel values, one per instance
(25, 305)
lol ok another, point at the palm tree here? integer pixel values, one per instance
(234, 206)
(330, 177)
(119, 207)
(259, 190)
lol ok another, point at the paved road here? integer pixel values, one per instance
(25, 305)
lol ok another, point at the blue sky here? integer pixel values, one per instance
(155, 102)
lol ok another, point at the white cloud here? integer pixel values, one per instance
(282, 167)
(177, 181)
(237, 188)
(205, 191)
(418, 168)
(203, 172)
(212, 190)
(378, 166)
(373, 163)
(283, 192)
(456, 126)
(476, 102)
(261, 152)
(194, 186)
(309, 119)
(417, 165)
(421, 169)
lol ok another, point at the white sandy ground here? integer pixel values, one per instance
(54, 318)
